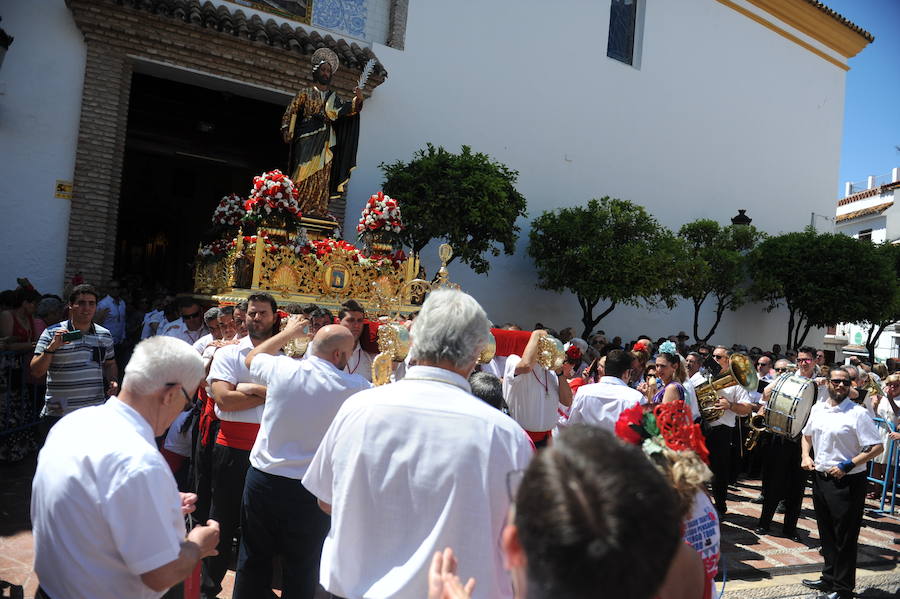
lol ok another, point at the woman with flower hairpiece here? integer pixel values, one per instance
(670, 373)
(675, 445)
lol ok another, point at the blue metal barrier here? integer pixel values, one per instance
(891, 450)
(22, 398)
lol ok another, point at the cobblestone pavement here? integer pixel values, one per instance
(764, 567)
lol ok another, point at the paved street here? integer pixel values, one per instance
(765, 567)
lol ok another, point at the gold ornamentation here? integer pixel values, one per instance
(382, 367)
(489, 350)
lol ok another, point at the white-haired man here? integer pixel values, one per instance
(108, 518)
(278, 515)
(418, 465)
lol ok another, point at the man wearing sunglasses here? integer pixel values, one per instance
(843, 438)
(190, 327)
(783, 479)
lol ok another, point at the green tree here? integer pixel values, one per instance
(715, 267)
(466, 199)
(609, 250)
(890, 314)
(821, 279)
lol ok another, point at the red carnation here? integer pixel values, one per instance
(628, 420)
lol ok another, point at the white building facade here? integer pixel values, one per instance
(867, 211)
(719, 105)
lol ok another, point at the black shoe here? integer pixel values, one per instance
(781, 507)
(761, 530)
(757, 500)
(817, 584)
(792, 536)
(834, 595)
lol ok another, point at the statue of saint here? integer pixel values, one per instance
(323, 133)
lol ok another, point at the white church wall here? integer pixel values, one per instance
(40, 103)
(722, 114)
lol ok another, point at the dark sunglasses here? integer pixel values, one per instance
(781, 370)
(191, 316)
(846, 382)
(804, 360)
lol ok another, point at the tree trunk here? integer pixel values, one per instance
(720, 310)
(790, 331)
(587, 314)
(875, 331)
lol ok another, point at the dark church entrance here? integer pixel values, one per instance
(186, 148)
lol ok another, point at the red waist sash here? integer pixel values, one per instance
(238, 435)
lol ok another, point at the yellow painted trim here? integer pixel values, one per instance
(808, 19)
(783, 33)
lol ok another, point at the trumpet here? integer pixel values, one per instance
(757, 425)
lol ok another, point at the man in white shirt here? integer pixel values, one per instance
(409, 468)
(532, 392)
(111, 312)
(783, 479)
(211, 319)
(353, 316)
(108, 518)
(239, 406)
(190, 327)
(278, 515)
(600, 404)
(842, 437)
(735, 401)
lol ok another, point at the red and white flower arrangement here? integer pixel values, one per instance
(381, 213)
(214, 251)
(229, 212)
(272, 194)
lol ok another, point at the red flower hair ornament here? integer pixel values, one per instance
(664, 425)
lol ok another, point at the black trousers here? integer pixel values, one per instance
(202, 472)
(279, 517)
(229, 467)
(718, 441)
(783, 478)
(839, 505)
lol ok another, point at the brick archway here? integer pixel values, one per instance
(180, 34)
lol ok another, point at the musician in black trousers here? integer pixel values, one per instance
(783, 477)
(842, 437)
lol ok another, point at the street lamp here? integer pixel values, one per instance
(741, 218)
(812, 219)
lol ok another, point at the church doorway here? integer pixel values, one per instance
(186, 147)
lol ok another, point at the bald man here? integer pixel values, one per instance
(278, 515)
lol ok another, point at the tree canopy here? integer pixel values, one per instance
(715, 267)
(890, 313)
(610, 250)
(465, 199)
(822, 279)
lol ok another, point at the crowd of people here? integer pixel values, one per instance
(256, 427)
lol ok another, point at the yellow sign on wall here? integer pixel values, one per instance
(63, 189)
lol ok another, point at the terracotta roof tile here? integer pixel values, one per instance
(878, 209)
(842, 19)
(224, 20)
(868, 193)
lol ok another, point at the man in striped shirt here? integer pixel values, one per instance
(80, 372)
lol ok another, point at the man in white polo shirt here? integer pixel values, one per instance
(532, 392)
(108, 518)
(190, 327)
(278, 515)
(601, 403)
(839, 438)
(239, 407)
(409, 468)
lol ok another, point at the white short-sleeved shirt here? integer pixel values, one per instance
(302, 398)
(154, 316)
(532, 397)
(410, 468)
(839, 433)
(228, 365)
(497, 366)
(201, 343)
(600, 404)
(115, 318)
(179, 330)
(734, 394)
(178, 442)
(359, 362)
(104, 505)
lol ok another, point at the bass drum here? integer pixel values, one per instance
(790, 404)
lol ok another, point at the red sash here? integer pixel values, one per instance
(238, 435)
(538, 437)
(207, 416)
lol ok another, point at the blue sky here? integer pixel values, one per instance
(872, 105)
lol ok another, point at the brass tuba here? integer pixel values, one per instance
(740, 372)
